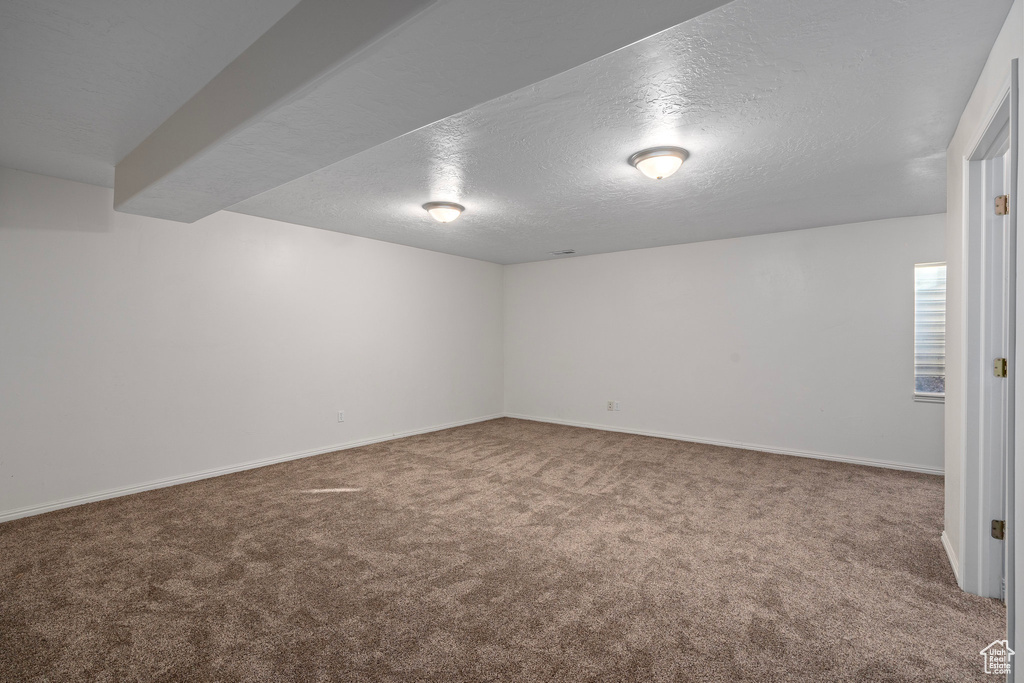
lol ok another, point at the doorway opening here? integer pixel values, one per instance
(990, 318)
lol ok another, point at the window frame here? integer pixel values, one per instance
(929, 396)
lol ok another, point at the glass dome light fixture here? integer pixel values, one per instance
(659, 162)
(444, 212)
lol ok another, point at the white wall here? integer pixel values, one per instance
(1008, 45)
(795, 342)
(134, 350)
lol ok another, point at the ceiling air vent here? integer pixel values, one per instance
(564, 252)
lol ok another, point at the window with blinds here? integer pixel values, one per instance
(930, 331)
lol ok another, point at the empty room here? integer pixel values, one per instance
(547, 340)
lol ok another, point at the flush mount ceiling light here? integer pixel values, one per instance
(659, 162)
(444, 212)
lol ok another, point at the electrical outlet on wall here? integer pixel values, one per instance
(611, 405)
(341, 416)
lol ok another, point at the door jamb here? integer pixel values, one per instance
(975, 555)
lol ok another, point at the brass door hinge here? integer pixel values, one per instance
(999, 367)
(1002, 205)
(998, 529)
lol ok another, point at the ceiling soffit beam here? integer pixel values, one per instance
(308, 44)
(333, 79)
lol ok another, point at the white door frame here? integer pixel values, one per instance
(1014, 504)
(984, 479)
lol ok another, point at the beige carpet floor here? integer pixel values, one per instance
(501, 551)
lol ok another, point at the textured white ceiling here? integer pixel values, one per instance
(443, 58)
(82, 82)
(797, 113)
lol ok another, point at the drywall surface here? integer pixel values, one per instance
(84, 83)
(799, 342)
(135, 350)
(796, 114)
(1008, 45)
(445, 59)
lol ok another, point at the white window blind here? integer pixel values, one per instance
(930, 331)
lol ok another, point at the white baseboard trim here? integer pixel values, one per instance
(8, 515)
(732, 444)
(952, 558)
